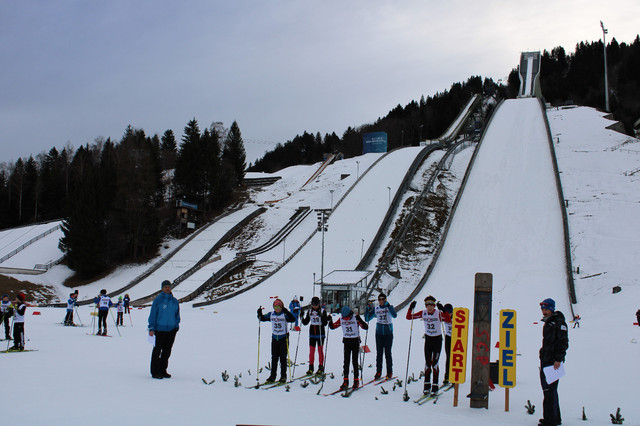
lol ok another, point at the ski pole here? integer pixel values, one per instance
(130, 320)
(326, 348)
(114, 321)
(288, 358)
(258, 365)
(93, 320)
(295, 359)
(10, 330)
(364, 353)
(406, 376)
(78, 315)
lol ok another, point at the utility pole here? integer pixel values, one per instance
(323, 216)
(606, 80)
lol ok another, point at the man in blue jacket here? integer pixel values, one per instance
(164, 322)
(383, 312)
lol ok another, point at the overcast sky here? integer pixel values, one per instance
(73, 71)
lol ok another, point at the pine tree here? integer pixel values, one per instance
(233, 153)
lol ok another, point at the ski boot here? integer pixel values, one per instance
(427, 388)
(271, 379)
(389, 375)
(282, 380)
(345, 384)
(377, 376)
(99, 333)
(434, 389)
(356, 383)
(310, 370)
(320, 370)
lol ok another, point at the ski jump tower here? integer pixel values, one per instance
(529, 72)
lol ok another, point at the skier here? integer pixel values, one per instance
(555, 342)
(18, 323)
(126, 300)
(104, 303)
(279, 318)
(576, 321)
(164, 323)
(294, 308)
(383, 312)
(351, 324)
(432, 318)
(6, 311)
(638, 316)
(71, 303)
(120, 311)
(318, 318)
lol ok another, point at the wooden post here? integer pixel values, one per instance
(480, 370)
(455, 395)
(506, 399)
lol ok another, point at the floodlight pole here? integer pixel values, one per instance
(606, 80)
(323, 215)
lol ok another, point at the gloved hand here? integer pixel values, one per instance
(440, 307)
(412, 305)
(260, 312)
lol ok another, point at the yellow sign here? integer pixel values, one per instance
(459, 338)
(507, 371)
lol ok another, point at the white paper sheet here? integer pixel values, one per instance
(551, 374)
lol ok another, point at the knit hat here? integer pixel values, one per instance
(346, 311)
(120, 298)
(315, 301)
(448, 308)
(430, 298)
(165, 283)
(21, 296)
(5, 295)
(384, 296)
(278, 302)
(549, 304)
(103, 291)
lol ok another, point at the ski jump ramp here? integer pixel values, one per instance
(529, 73)
(509, 220)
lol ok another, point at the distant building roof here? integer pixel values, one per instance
(345, 278)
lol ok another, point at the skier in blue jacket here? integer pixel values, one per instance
(383, 312)
(164, 322)
(279, 318)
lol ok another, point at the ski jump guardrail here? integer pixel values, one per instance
(454, 129)
(323, 166)
(28, 243)
(384, 262)
(288, 259)
(223, 240)
(367, 259)
(565, 219)
(447, 225)
(529, 73)
(300, 214)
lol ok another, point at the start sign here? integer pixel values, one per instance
(459, 338)
(507, 371)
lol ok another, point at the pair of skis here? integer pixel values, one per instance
(433, 396)
(349, 391)
(269, 385)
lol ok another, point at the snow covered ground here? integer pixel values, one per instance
(508, 223)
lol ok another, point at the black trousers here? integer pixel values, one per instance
(432, 348)
(119, 318)
(18, 335)
(550, 403)
(162, 351)
(7, 327)
(383, 347)
(68, 319)
(447, 350)
(351, 347)
(279, 350)
(102, 319)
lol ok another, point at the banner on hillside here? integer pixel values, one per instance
(374, 142)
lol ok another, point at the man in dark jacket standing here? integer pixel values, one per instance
(555, 342)
(164, 321)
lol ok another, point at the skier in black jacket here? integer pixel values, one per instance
(555, 342)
